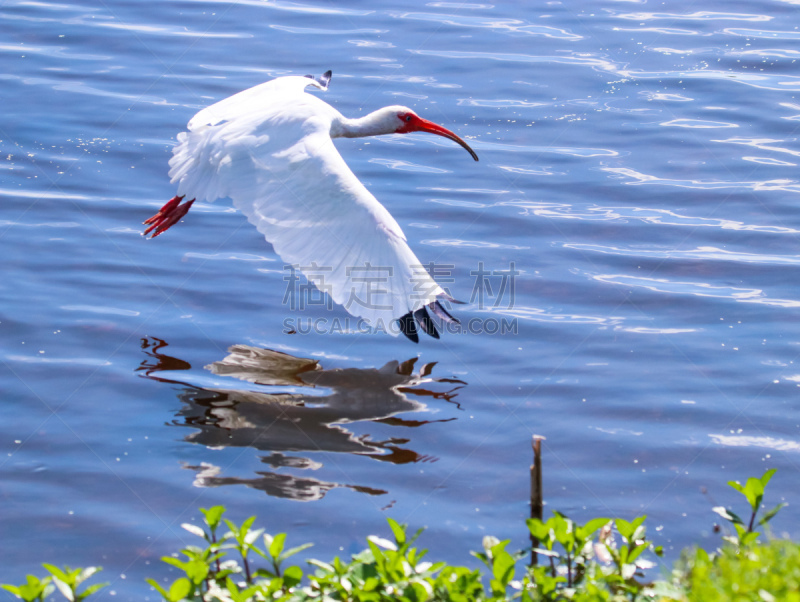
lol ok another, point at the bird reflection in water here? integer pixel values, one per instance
(295, 405)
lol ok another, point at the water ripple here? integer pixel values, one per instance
(761, 144)
(499, 103)
(641, 178)
(82, 88)
(473, 244)
(227, 256)
(453, 203)
(407, 166)
(783, 445)
(535, 314)
(41, 225)
(40, 359)
(781, 53)
(764, 80)
(767, 81)
(303, 8)
(670, 31)
(664, 217)
(322, 31)
(770, 35)
(512, 25)
(769, 161)
(698, 123)
(651, 330)
(696, 289)
(695, 16)
(590, 61)
(99, 309)
(59, 52)
(555, 150)
(699, 253)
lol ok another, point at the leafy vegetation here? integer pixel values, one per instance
(601, 560)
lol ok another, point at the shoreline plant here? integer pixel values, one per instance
(601, 560)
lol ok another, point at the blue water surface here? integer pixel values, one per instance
(632, 221)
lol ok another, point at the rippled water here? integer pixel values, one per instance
(638, 169)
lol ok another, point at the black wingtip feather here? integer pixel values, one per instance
(440, 311)
(449, 299)
(408, 327)
(323, 80)
(426, 323)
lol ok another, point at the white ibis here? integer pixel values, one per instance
(270, 149)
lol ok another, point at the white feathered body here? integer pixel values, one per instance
(270, 150)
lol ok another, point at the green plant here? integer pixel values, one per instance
(574, 538)
(500, 563)
(33, 589)
(763, 573)
(753, 491)
(599, 561)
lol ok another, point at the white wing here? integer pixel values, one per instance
(269, 149)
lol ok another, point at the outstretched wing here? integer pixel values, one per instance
(271, 152)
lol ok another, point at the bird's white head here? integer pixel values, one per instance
(397, 119)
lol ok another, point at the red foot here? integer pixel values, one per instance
(169, 215)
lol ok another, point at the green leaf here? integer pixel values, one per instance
(398, 530)
(232, 587)
(416, 592)
(65, 589)
(197, 571)
(194, 530)
(503, 567)
(13, 589)
(765, 478)
(323, 566)
(737, 486)
(292, 576)
(33, 589)
(86, 573)
(727, 514)
(292, 551)
(384, 543)
(593, 526)
(636, 552)
(92, 589)
(247, 524)
(749, 538)
(628, 529)
(538, 529)
(176, 562)
(57, 572)
(625, 528)
(158, 587)
(180, 589)
(213, 515)
(768, 516)
(416, 535)
(276, 545)
(754, 491)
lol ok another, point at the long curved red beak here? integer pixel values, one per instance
(418, 124)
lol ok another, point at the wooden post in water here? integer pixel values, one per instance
(537, 502)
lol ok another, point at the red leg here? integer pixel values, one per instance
(169, 215)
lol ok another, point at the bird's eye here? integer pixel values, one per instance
(408, 117)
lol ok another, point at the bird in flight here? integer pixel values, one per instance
(270, 150)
